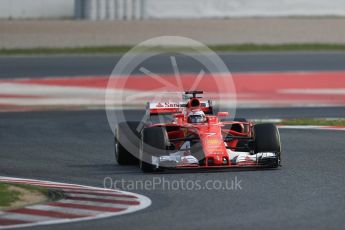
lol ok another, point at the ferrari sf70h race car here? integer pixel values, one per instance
(195, 137)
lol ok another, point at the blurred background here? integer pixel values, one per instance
(281, 52)
(80, 23)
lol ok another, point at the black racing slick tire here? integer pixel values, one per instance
(127, 138)
(154, 143)
(267, 139)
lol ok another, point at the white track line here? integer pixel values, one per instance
(27, 217)
(104, 197)
(96, 191)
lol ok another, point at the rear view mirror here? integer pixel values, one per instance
(223, 114)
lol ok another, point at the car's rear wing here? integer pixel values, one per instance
(156, 108)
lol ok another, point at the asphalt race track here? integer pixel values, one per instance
(74, 65)
(307, 192)
(77, 147)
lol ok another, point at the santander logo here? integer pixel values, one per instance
(167, 105)
(159, 105)
(174, 105)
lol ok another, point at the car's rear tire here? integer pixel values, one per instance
(267, 139)
(126, 135)
(154, 143)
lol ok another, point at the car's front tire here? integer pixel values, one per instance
(267, 139)
(154, 143)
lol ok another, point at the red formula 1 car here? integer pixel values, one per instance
(195, 137)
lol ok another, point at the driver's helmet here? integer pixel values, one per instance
(196, 117)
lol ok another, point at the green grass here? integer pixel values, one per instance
(308, 121)
(32, 188)
(218, 48)
(281, 47)
(7, 197)
(82, 50)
